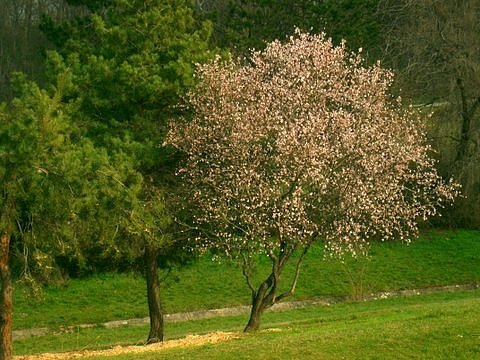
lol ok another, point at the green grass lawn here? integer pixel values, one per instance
(434, 326)
(438, 258)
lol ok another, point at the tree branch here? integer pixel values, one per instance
(463, 97)
(246, 273)
(283, 254)
(466, 120)
(271, 254)
(297, 274)
(474, 107)
(195, 228)
(291, 188)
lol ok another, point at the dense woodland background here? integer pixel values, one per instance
(432, 46)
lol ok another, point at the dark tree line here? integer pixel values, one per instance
(241, 25)
(22, 43)
(435, 48)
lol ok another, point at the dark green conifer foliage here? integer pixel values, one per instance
(55, 189)
(132, 61)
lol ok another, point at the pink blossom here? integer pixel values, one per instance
(305, 143)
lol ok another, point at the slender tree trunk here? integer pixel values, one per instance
(260, 302)
(153, 295)
(6, 303)
(467, 115)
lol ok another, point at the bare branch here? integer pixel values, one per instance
(297, 274)
(246, 270)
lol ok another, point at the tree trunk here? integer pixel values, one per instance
(6, 307)
(153, 295)
(266, 295)
(467, 115)
(258, 307)
(262, 299)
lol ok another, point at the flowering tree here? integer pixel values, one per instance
(303, 144)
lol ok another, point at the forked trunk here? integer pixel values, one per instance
(262, 299)
(6, 307)
(258, 308)
(153, 295)
(266, 294)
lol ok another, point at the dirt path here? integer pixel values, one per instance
(191, 340)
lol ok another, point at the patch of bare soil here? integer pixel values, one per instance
(191, 340)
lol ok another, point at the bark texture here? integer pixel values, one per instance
(266, 294)
(153, 295)
(467, 115)
(6, 300)
(262, 299)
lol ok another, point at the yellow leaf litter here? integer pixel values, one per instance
(191, 340)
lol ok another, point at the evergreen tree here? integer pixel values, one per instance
(55, 189)
(132, 61)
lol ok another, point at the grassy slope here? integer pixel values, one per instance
(444, 325)
(400, 331)
(438, 258)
